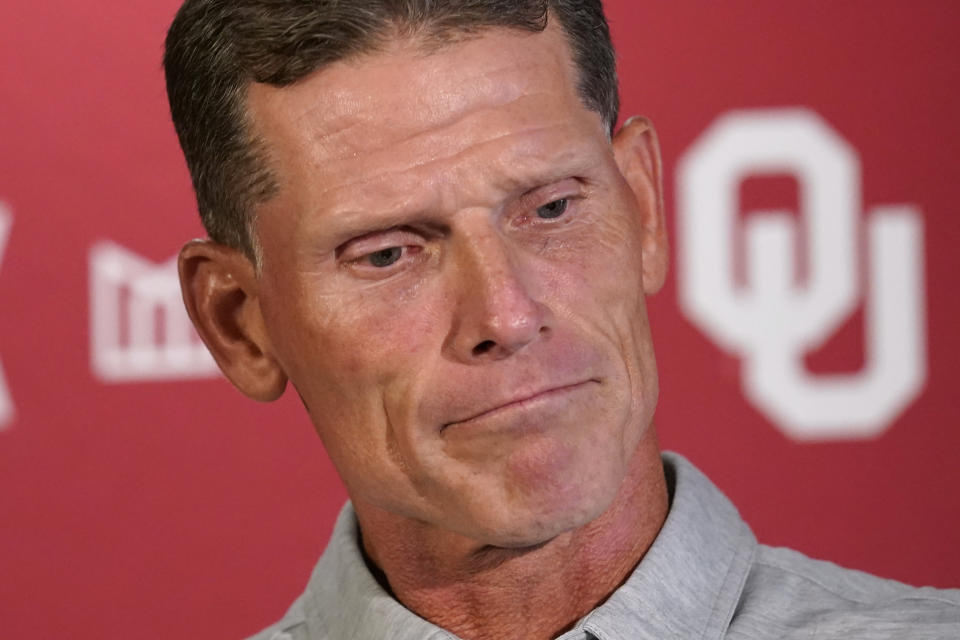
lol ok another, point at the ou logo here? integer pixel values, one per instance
(771, 322)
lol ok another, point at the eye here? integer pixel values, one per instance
(553, 209)
(384, 257)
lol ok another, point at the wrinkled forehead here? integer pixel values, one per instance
(403, 89)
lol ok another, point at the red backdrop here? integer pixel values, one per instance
(141, 495)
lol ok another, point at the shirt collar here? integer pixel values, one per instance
(686, 586)
(344, 600)
(690, 580)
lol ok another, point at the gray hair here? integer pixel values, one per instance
(216, 48)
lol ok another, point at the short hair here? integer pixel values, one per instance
(216, 48)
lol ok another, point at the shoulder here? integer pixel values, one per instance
(802, 597)
(293, 626)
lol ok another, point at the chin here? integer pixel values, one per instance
(539, 532)
(541, 516)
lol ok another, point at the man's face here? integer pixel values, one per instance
(451, 278)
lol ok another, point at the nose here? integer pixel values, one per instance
(496, 313)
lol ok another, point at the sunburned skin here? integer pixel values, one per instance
(453, 276)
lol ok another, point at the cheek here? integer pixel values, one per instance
(597, 270)
(601, 290)
(364, 334)
(358, 361)
(387, 333)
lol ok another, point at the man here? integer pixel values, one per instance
(420, 216)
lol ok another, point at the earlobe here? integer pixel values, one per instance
(637, 153)
(219, 287)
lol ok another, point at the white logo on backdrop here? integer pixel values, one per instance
(6, 402)
(771, 322)
(139, 327)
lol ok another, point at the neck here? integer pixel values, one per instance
(478, 591)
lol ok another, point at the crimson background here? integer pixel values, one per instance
(180, 509)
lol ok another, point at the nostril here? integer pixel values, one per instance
(483, 347)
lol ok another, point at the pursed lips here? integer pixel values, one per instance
(518, 402)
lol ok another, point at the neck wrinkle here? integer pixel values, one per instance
(534, 593)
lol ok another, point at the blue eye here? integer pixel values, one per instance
(553, 209)
(385, 257)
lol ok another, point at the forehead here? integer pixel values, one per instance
(391, 120)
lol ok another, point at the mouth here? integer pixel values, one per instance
(522, 402)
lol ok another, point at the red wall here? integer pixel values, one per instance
(142, 496)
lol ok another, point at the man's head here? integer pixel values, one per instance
(216, 49)
(453, 271)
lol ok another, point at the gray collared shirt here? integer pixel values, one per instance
(705, 576)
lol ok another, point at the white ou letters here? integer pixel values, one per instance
(6, 402)
(139, 327)
(771, 322)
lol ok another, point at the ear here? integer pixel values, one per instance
(219, 287)
(637, 154)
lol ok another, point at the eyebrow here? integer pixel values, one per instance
(342, 246)
(384, 222)
(569, 162)
(521, 185)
